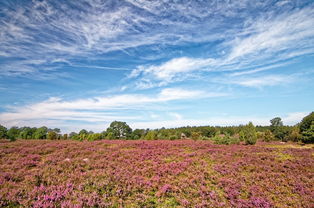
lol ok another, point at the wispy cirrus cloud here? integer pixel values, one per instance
(264, 43)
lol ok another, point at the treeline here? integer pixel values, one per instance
(246, 134)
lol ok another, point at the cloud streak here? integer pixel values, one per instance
(97, 109)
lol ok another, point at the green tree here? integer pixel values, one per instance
(3, 132)
(305, 127)
(151, 135)
(294, 135)
(137, 134)
(94, 137)
(13, 133)
(277, 128)
(275, 122)
(308, 135)
(83, 131)
(268, 136)
(52, 135)
(41, 133)
(120, 130)
(27, 132)
(65, 136)
(250, 136)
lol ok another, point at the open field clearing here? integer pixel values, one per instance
(182, 173)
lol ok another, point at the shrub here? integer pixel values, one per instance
(226, 140)
(173, 137)
(250, 136)
(294, 135)
(195, 135)
(52, 135)
(151, 135)
(268, 136)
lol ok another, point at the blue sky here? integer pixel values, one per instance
(153, 64)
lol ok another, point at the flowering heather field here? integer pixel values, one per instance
(181, 173)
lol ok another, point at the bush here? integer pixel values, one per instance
(250, 136)
(52, 135)
(196, 135)
(173, 137)
(268, 136)
(151, 135)
(226, 140)
(294, 135)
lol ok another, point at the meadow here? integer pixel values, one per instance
(159, 173)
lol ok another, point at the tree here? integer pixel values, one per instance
(120, 130)
(83, 131)
(308, 135)
(27, 132)
(13, 133)
(277, 128)
(137, 134)
(306, 122)
(65, 136)
(94, 137)
(268, 136)
(294, 135)
(249, 131)
(275, 122)
(151, 135)
(3, 132)
(52, 135)
(41, 133)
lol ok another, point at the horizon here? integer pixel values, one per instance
(155, 64)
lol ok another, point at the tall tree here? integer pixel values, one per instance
(120, 130)
(41, 133)
(307, 128)
(3, 132)
(250, 135)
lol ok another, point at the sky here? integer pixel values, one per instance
(83, 64)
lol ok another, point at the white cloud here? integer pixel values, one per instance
(262, 81)
(293, 118)
(97, 109)
(288, 119)
(265, 43)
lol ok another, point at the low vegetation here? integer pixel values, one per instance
(158, 173)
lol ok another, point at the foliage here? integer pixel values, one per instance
(41, 133)
(137, 134)
(225, 139)
(120, 130)
(306, 122)
(276, 122)
(173, 137)
(250, 136)
(94, 137)
(308, 135)
(3, 132)
(294, 135)
(306, 128)
(52, 135)
(13, 133)
(268, 136)
(196, 135)
(151, 135)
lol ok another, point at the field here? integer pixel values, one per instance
(181, 173)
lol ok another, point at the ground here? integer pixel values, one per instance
(182, 173)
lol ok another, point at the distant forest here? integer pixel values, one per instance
(242, 134)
